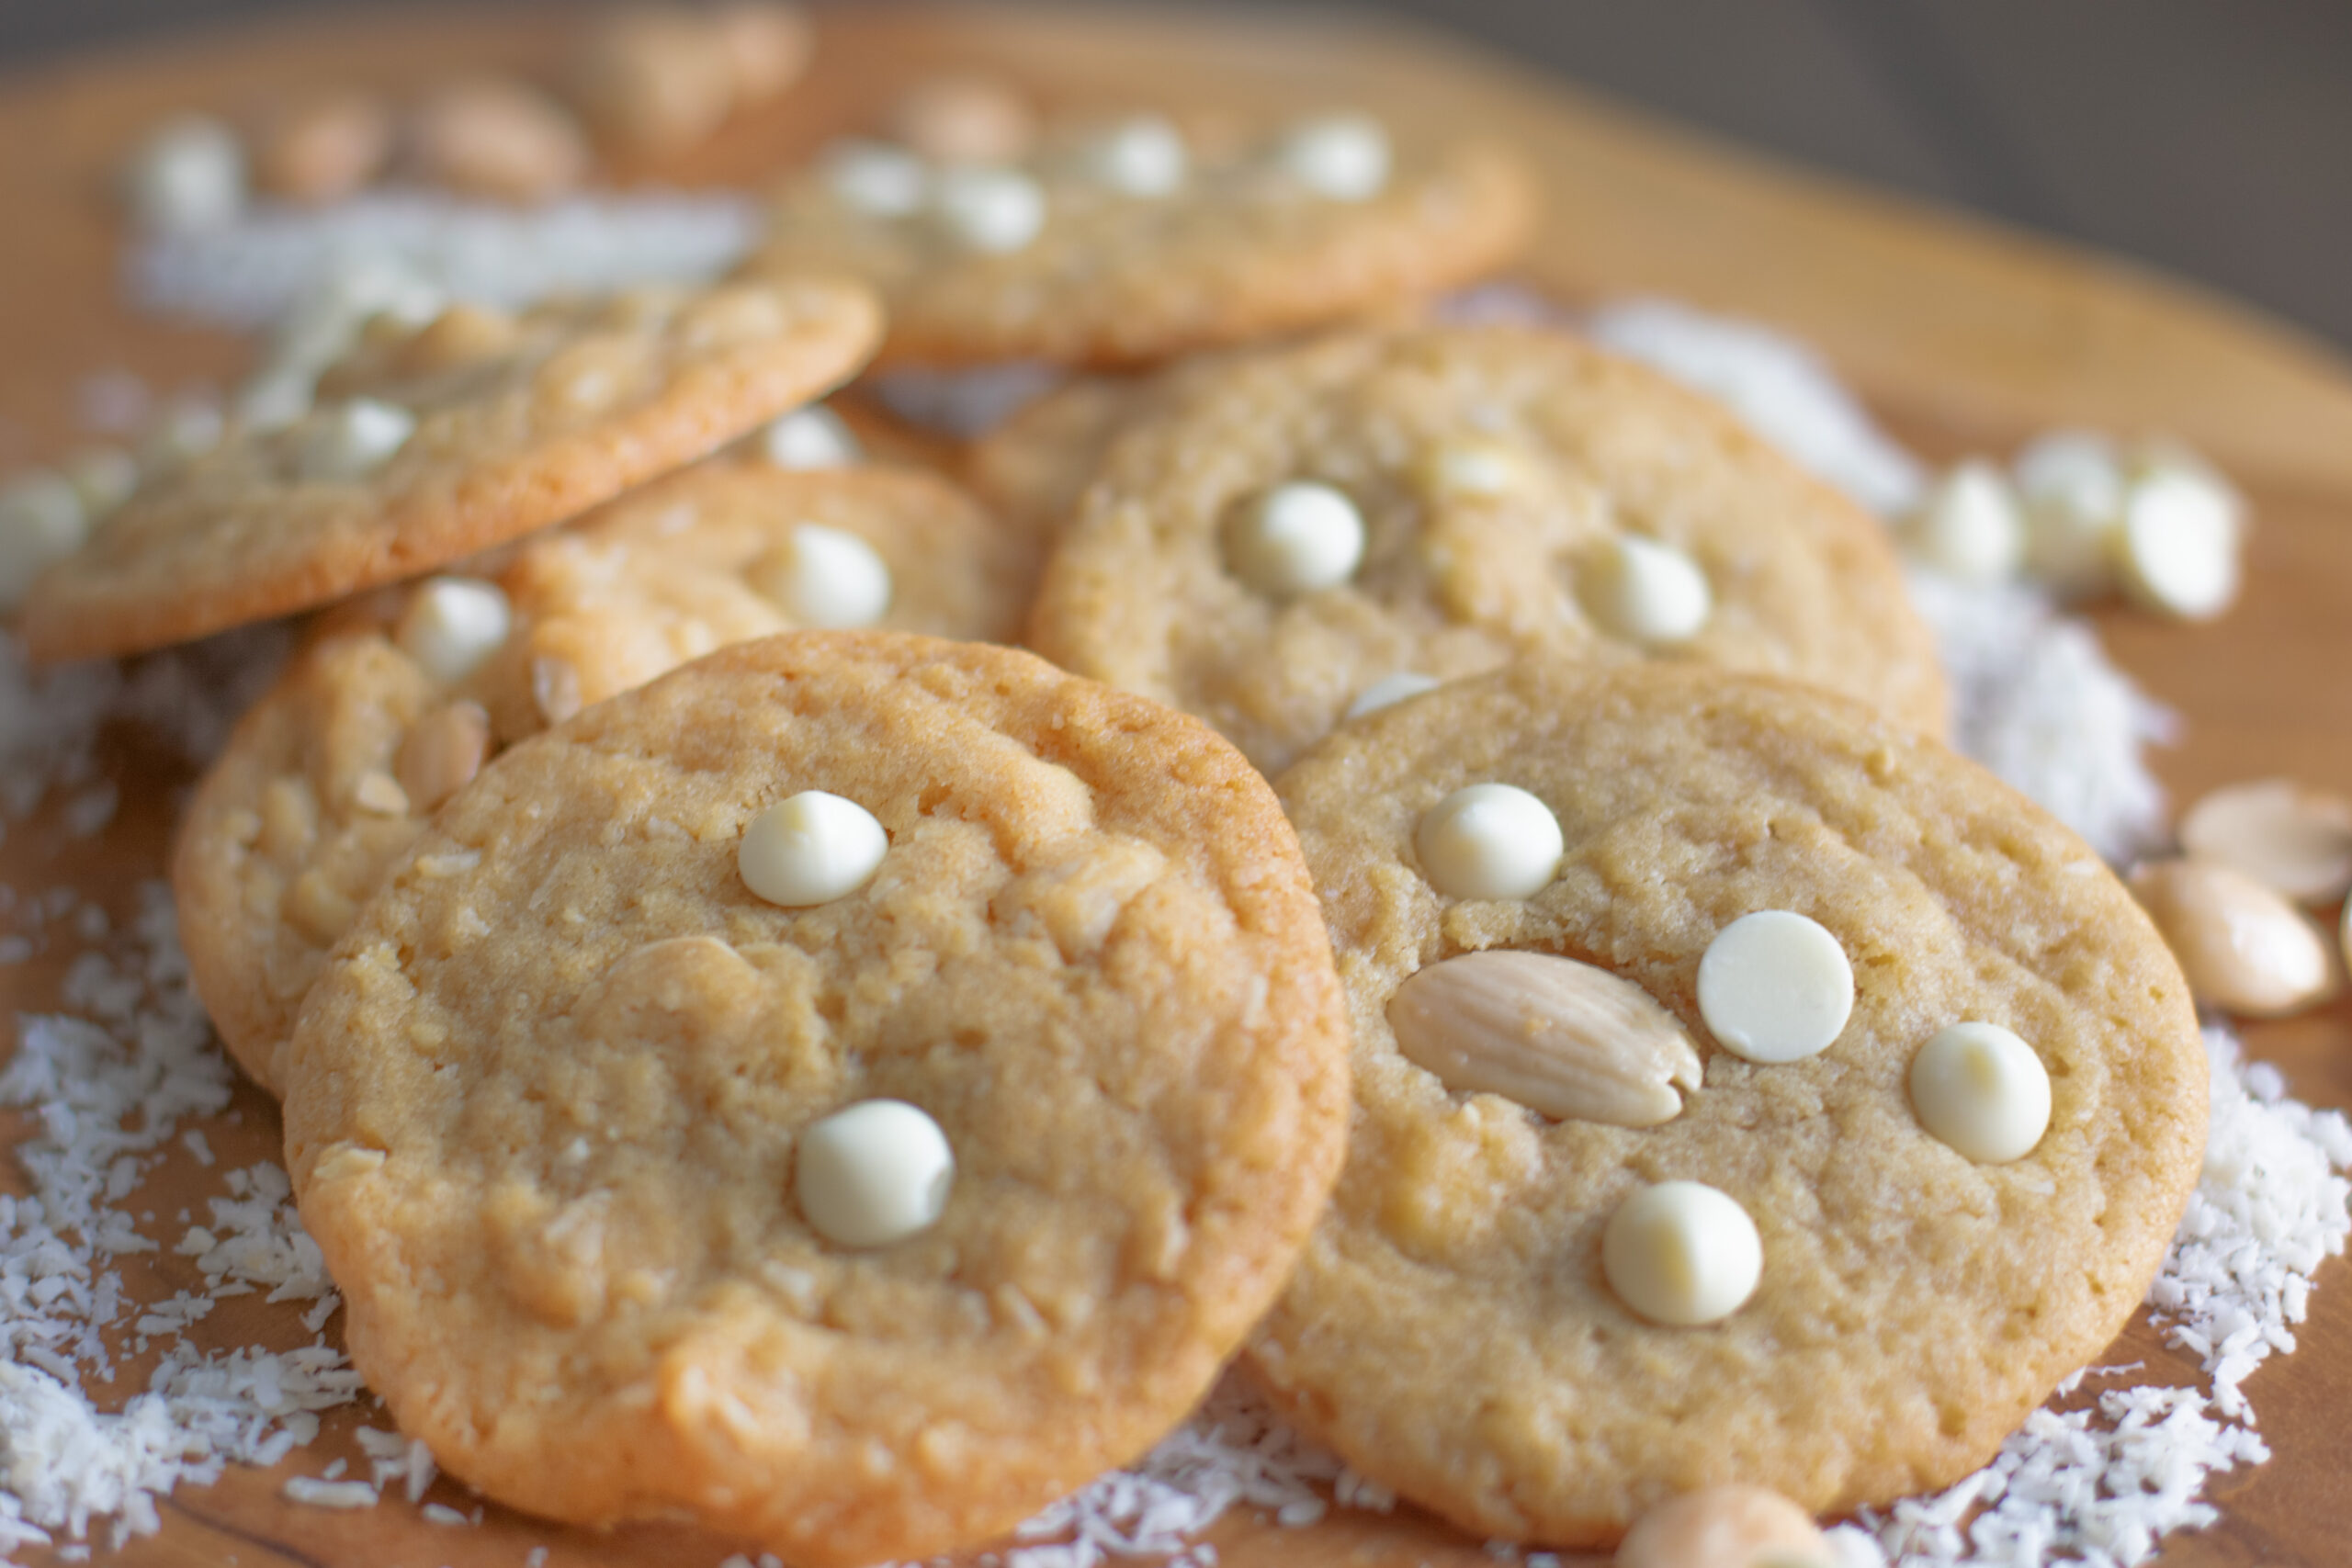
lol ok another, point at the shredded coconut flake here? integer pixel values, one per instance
(114, 1077)
(245, 274)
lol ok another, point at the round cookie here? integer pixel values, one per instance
(1452, 1330)
(430, 445)
(1498, 473)
(1070, 259)
(545, 1106)
(335, 770)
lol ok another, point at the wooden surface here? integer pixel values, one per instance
(1963, 338)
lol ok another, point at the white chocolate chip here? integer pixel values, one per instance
(2071, 483)
(351, 441)
(322, 324)
(41, 520)
(2179, 544)
(824, 578)
(1971, 527)
(991, 210)
(2292, 839)
(1344, 157)
(1388, 691)
(1774, 988)
(874, 178)
(187, 431)
(1982, 1090)
(452, 625)
(872, 1173)
(1726, 1526)
(189, 174)
(104, 477)
(1296, 539)
(1489, 841)
(1472, 468)
(1682, 1253)
(2242, 947)
(277, 398)
(1141, 156)
(813, 437)
(1648, 591)
(809, 849)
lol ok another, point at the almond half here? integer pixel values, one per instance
(1560, 1037)
(2289, 838)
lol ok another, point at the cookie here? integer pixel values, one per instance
(398, 699)
(1302, 524)
(430, 445)
(1465, 1325)
(1129, 242)
(570, 1110)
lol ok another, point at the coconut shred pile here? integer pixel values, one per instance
(126, 1069)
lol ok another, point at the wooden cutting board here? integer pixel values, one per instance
(1962, 336)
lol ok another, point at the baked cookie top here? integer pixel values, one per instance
(1459, 1327)
(428, 445)
(395, 700)
(550, 1109)
(1130, 242)
(1286, 532)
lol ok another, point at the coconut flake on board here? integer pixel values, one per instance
(246, 273)
(116, 1081)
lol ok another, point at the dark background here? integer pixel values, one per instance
(2212, 138)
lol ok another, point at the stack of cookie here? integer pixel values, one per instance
(752, 1048)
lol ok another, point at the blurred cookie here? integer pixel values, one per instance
(864, 1215)
(1280, 534)
(1747, 1089)
(426, 445)
(398, 700)
(1135, 240)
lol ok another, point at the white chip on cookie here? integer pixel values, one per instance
(354, 439)
(1390, 690)
(810, 849)
(1296, 539)
(1648, 591)
(875, 178)
(1775, 988)
(277, 398)
(1142, 156)
(1473, 467)
(872, 1173)
(813, 437)
(104, 477)
(1682, 1253)
(1982, 1090)
(993, 211)
(1489, 841)
(453, 623)
(1344, 157)
(825, 578)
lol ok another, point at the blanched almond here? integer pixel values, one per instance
(2291, 838)
(1726, 1526)
(2243, 947)
(1560, 1037)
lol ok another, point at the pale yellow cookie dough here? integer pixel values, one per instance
(336, 769)
(1496, 471)
(1451, 1331)
(542, 1109)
